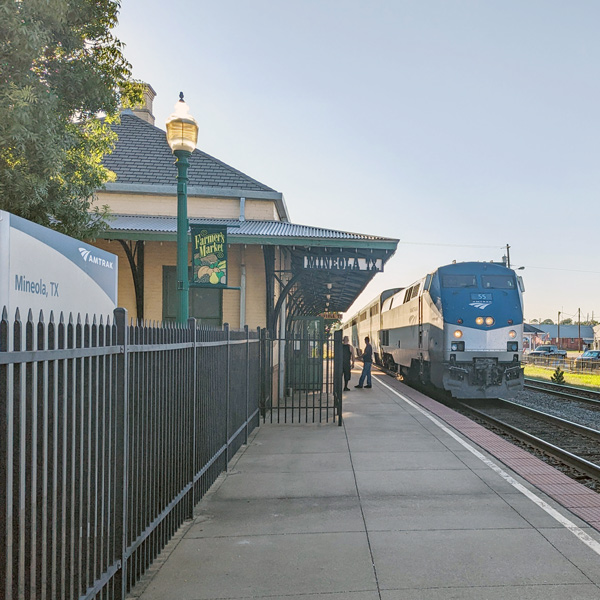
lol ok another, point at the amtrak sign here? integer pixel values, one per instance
(343, 263)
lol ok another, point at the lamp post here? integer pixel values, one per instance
(182, 135)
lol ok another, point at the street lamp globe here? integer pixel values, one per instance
(182, 128)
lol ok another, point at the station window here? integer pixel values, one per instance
(205, 303)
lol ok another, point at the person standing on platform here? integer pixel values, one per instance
(367, 358)
(347, 360)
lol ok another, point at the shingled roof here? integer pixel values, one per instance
(143, 157)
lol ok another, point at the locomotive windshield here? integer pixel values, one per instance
(499, 282)
(459, 281)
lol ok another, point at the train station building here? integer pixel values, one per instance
(276, 269)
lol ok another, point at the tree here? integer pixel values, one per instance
(60, 69)
(547, 322)
(568, 321)
(558, 376)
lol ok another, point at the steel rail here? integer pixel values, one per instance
(561, 391)
(581, 464)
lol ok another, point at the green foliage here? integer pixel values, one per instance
(547, 322)
(60, 68)
(586, 380)
(558, 376)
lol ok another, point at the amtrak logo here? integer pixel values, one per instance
(84, 253)
(479, 304)
(96, 260)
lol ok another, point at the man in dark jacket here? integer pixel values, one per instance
(367, 358)
(347, 361)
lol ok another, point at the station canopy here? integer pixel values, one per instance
(324, 262)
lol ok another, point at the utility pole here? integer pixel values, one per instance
(579, 327)
(508, 256)
(558, 332)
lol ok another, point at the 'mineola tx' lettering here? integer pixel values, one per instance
(22, 284)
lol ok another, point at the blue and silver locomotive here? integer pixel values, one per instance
(459, 328)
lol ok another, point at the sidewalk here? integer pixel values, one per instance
(390, 506)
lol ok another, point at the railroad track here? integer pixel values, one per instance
(565, 391)
(574, 445)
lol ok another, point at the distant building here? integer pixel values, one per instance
(596, 342)
(567, 337)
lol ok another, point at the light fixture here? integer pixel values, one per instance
(182, 135)
(182, 128)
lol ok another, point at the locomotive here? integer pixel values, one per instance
(459, 328)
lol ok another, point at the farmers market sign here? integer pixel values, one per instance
(209, 256)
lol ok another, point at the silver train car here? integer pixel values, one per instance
(459, 328)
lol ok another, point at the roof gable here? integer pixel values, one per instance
(142, 156)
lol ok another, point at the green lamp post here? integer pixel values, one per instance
(182, 136)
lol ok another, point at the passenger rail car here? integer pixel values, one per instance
(367, 323)
(459, 328)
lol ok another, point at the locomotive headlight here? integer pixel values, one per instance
(489, 320)
(479, 320)
(458, 333)
(512, 333)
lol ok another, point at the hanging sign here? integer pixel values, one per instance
(343, 263)
(209, 256)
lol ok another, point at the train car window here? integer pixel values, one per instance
(407, 294)
(354, 322)
(427, 283)
(363, 317)
(459, 281)
(499, 282)
(384, 337)
(374, 310)
(415, 291)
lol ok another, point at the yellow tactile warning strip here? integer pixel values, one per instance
(579, 499)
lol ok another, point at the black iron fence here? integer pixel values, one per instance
(572, 364)
(303, 378)
(109, 435)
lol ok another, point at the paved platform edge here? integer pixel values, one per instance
(572, 495)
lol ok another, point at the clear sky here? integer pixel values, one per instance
(457, 126)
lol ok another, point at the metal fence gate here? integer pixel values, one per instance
(302, 379)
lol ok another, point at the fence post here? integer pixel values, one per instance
(121, 450)
(258, 387)
(193, 417)
(247, 377)
(338, 372)
(228, 334)
(6, 465)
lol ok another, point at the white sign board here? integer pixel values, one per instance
(41, 269)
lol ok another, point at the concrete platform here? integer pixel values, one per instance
(406, 501)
